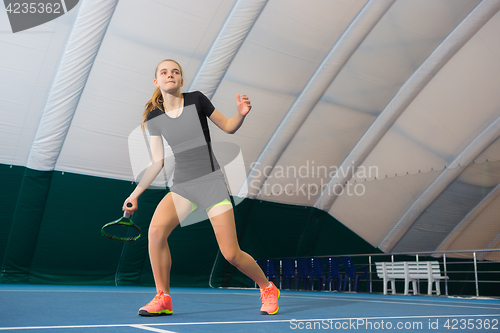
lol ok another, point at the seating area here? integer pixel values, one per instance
(410, 272)
(315, 273)
(341, 274)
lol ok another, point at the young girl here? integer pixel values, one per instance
(198, 181)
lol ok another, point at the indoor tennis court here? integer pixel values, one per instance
(113, 309)
(358, 142)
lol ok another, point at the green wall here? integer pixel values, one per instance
(50, 234)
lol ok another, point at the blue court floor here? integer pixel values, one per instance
(32, 308)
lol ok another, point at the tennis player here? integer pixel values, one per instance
(198, 182)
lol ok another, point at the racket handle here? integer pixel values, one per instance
(126, 214)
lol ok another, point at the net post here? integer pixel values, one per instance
(445, 274)
(475, 274)
(370, 269)
(418, 280)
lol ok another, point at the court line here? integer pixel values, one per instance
(247, 322)
(438, 303)
(441, 303)
(80, 291)
(333, 296)
(447, 303)
(152, 329)
(493, 307)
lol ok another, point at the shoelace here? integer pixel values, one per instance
(157, 298)
(267, 295)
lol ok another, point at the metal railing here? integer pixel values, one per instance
(447, 260)
(445, 263)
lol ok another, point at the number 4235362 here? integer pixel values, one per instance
(34, 7)
(478, 324)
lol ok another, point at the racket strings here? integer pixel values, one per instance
(121, 231)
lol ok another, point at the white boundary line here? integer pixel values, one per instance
(439, 303)
(82, 291)
(445, 303)
(146, 326)
(152, 329)
(494, 307)
(334, 296)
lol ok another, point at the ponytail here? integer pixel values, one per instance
(156, 101)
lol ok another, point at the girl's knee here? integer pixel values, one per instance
(232, 256)
(158, 234)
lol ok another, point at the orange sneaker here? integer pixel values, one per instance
(160, 305)
(269, 297)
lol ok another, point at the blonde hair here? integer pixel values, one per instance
(156, 100)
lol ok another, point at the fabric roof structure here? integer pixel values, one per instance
(383, 113)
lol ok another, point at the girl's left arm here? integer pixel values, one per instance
(231, 125)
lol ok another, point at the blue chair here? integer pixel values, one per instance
(317, 273)
(352, 275)
(288, 272)
(304, 272)
(333, 277)
(269, 268)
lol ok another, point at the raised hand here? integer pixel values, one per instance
(243, 104)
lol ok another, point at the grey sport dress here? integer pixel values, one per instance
(197, 174)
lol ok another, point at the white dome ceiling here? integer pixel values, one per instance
(406, 91)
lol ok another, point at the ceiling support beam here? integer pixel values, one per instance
(495, 244)
(408, 92)
(445, 178)
(72, 72)
(231, 36)
(469, 218)
(333, 63)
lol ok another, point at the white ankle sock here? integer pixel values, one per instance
(269, 286)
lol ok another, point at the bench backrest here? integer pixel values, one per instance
(415, 270)
(422, 269)
(394, 270)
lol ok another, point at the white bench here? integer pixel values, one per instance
(410, 271)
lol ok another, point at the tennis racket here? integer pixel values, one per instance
(122, 229)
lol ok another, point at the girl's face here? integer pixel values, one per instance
(168, 77)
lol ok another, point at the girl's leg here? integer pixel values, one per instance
(222, 219)
(171, 210)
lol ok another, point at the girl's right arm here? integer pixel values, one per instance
(154, 168)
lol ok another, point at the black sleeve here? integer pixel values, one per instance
(206, 106)
(152, 122)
